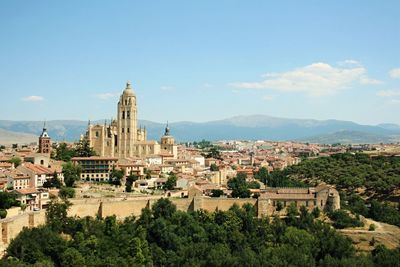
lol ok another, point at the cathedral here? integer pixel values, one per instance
(123, 139)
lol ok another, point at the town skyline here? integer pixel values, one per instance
(202, 62)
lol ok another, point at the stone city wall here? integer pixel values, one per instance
(121, 208)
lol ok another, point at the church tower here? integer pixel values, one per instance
(127, 122)
(44, 141)
(168, 143)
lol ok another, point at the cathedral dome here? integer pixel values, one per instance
(128, 90)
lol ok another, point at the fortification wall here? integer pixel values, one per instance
(125, 208)
(183, 204)
(223, 204)
(11, 227)
(121, 208)
(14, 211)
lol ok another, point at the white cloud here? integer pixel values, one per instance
(395, 101)
(316, 79)
(366, 80)
(105, 96)
(207, 85)
(166, 88)
(33, 98)
(388, 93)
(395, 73)
(349, 62)
(267, 98)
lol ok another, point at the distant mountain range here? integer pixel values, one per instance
(254, 127)
(8, 138)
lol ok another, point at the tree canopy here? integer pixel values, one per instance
(71, 173)
(376, 178)
(164, 236)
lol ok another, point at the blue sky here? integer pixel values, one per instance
(201, 60)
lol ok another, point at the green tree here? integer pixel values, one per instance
(116, 177)
(57, 214)
(171, 182)
(53, 182)
(37, 245)
(147, 173)
(72, 258)
(63, 152)
(239, 186)
(279, 206)
(8, 200)
(262, 175)
(163, 208)
(67, 192)
(214, 153)
(214, 167)
(83, 149)
(3, 213)
(341, 219)
(16, 161)
(71, 173)
(253, 185)
(129, 182)
(217, 193)
(292, 212)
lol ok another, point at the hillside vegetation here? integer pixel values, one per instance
(163, 236)
(369, 185)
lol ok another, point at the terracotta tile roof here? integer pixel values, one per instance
(38, 169)
(15, 174)
(27, 191)
(5, 164)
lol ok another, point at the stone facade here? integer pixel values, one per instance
(95, 168)
(122, 138)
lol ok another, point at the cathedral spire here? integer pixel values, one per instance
(44, 130)
(166, 133)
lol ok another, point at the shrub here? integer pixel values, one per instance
(341, 219)
(372, 227)
(3, 214)
(67, 192)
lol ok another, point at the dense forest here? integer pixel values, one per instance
(369, 186)
(163, 236)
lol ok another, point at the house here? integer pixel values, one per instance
(18, 180)
(38, 174)
(142, 184)
(34, 199)
(129, 167)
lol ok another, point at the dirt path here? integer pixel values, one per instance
(365, 240)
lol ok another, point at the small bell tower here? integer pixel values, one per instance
(44, 141)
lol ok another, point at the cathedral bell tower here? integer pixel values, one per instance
(127, 122)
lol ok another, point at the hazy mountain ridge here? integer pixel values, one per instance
(239, 127)
(8, 137)
(351, 137)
